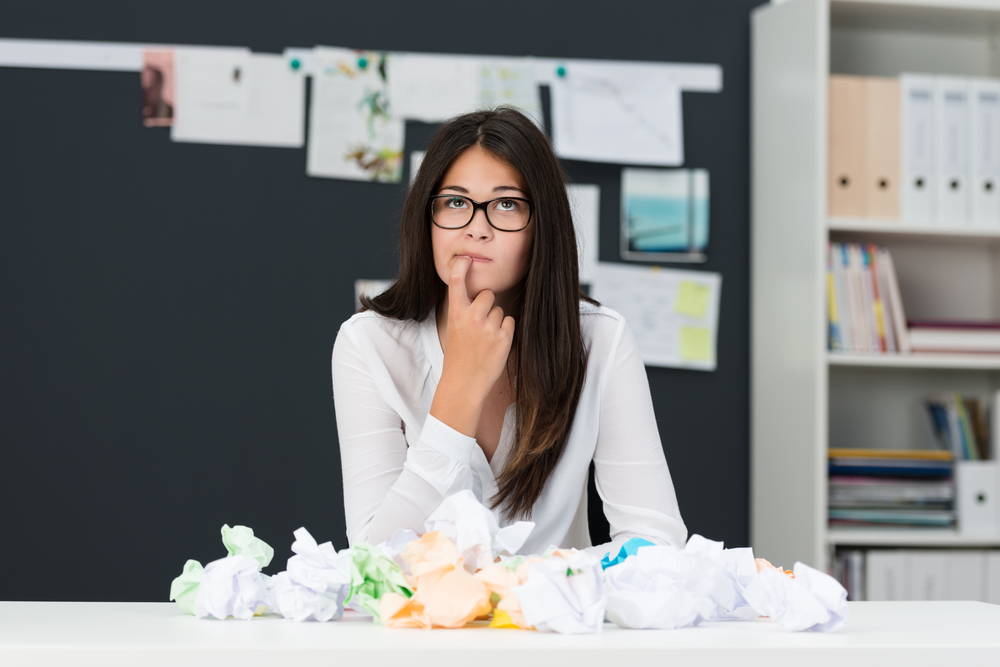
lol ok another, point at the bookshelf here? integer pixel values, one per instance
(803, 398)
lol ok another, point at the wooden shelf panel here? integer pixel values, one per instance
(917, 360)
(907, 537)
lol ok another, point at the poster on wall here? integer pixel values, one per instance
(665, 215)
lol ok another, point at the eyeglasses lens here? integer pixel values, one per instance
(455, 212)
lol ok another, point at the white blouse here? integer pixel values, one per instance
(399, 462)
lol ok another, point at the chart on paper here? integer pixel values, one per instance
(672, 314)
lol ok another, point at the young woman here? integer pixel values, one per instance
(484, 367)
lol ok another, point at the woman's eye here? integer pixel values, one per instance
(507, 205)
(456, 203)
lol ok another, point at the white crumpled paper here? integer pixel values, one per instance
(667, 588)
(232, 586)
(811, 601)
(475, 531)
(316, 583)
(564, 593)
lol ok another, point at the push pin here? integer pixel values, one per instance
(362, 62)
(295, 63)
(561, 72)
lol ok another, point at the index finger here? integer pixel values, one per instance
(458, 296)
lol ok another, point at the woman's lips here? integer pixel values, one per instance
(475, 258)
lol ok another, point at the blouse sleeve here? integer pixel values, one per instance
(630, 469)
(388, 484)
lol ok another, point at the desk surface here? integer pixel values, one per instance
(113, 633)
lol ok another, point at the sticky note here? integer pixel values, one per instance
(695, 344)
(692, 299)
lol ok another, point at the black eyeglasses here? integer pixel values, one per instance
(506, 214)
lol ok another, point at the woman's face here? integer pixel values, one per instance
(499, 259)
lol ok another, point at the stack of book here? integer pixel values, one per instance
(955, 336)
(864, 307)
(882, 487)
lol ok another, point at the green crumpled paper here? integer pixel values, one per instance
(239, 540)
(373, 574)
(184, 589)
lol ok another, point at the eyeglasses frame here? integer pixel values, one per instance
(481, 205)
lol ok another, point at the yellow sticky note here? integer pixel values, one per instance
(692, 299)
(695, 344)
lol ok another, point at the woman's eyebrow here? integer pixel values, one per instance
(455, 187)
(503, 188)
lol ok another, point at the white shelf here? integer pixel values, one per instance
(907, 537)
(903, 231)
(917, 360)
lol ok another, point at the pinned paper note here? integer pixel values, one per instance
(673, 314)
(353, 132)
(695, 344)
(627, 113)
(692, 298)
(271, 107)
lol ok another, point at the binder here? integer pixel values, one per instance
(887, 575)
(986, 152)
(882, 148)
(917, 205)
(977, 486)
(953, 116)
(845, 177)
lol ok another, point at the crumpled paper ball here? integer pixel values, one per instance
(184, 588)
(501, 579)
(232, 586)
(811, 601)
(667, 588)
(445, 595)
(475, 531)
(564, 593)
(240, 541)
(316, 582)
(373, 575)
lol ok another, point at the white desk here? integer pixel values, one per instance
(885, 634)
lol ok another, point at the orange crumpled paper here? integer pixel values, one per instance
(501, 582)
(764, 564)
(445, 594)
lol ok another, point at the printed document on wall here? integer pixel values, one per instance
(212, 83)
(433, 87)
(617, 112)
(353, 133)
(267, 110)
(672, 314)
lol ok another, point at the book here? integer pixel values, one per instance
(864, 309)
(929, 517)
(955, 339)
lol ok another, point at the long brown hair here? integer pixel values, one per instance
(549, 359)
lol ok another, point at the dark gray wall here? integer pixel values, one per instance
(167, 311)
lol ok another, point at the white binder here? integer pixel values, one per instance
(917, 146)
(953, 115)
(985, 152)
(977, 491)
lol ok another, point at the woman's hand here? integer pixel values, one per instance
(478, 343)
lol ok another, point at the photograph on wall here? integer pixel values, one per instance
(665, 215)
(157, 79)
